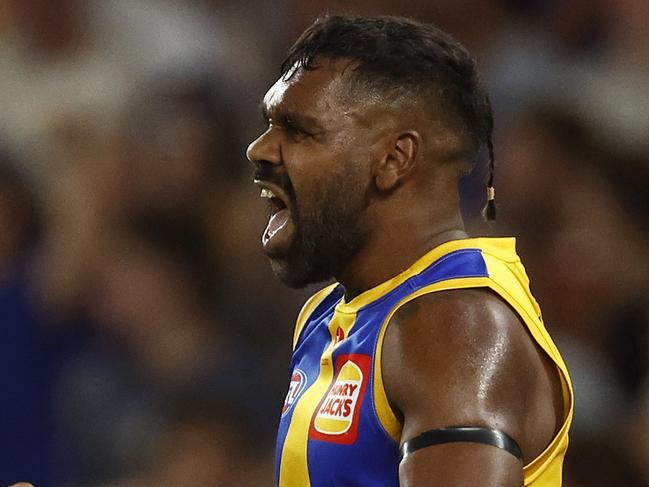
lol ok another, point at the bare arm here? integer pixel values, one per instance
(463, 357)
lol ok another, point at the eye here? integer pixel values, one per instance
(292, 128)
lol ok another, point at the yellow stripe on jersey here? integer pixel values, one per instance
(294, 469)
(308, 308)
(377, 292)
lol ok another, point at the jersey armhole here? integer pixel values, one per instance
(531, 316)
(308, 308)
(539, 334)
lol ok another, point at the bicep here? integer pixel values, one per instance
(461, 464)
(459, 359)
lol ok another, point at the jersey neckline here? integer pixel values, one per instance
(505, 246)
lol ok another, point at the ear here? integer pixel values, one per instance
(398, 162)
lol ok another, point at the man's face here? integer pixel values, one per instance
(313, 167)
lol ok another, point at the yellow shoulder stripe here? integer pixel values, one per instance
(307, 309)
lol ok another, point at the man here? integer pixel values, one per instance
(427, 362)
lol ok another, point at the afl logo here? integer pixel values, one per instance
(295, 388)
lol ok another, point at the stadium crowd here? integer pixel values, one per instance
(144, 340)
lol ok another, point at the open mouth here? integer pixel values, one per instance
(279, 230)
(275, 203)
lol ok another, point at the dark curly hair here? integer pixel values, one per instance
(400, 57)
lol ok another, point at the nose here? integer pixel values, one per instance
(264, 148)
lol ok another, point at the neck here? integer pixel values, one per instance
(393, 249)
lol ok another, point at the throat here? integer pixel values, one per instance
(371, 268)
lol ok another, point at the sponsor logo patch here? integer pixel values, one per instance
(295, 388)
(337, 416)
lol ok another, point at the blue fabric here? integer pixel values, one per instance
(26, 374)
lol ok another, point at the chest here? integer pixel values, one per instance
(329, 424)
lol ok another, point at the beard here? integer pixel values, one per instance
(329, 232)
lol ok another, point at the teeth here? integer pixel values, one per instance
(267, 193)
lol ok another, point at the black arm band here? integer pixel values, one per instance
(455, 434)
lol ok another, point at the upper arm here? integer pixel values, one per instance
(463, 357)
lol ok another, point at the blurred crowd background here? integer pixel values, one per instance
(143, 338)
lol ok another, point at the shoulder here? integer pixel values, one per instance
(465, 357)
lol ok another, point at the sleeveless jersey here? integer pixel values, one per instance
(337, 427)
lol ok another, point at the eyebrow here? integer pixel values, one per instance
(298, 118)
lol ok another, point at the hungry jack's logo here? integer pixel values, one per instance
(295, 388)
(337, 416)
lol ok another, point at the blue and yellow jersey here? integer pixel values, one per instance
(337, 427)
